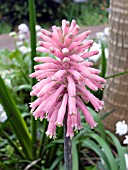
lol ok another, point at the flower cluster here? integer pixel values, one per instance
(63, 82)
(22, 37)
(122, 129)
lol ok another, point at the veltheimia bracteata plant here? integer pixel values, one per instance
(63, 82)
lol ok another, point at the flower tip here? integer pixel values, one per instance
(88, 32)
(66, 59)
(95, 125)
(52, 49)
(30, 75)
(31, 111)
(77, 27)
(65, 51)
(70, 35)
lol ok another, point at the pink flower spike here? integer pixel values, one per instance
(71, 87)
(47, 60)
(72, 105)
(94, 71)
(58, 75)
(65, 27)
(41, 83)
(74, 121)
(45, 44)
(36, 103)
(46, 66)
(87, 63)
(35, 74)
(51, 131)
(76, 58)
(62, 110)
(98, 78)
(65, 78)
(82, 36)
(45, 89)
(76, 74)
(72, 26)
(75, 30)
(89, 54)
(42, 49)
(48, 33)
(90, 85)
(94, 101)
(86, 113)
(70, 132)
(82, 48)
(56, 52)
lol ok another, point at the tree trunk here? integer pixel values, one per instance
(116, 90)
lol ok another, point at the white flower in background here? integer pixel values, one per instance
(107, 31)
(7, 82)
(24, 49)
(99, 35)
(3, 116)
(95, 46)
(23, 28)
(13, 34)
(126, 160)
(38, 34)
(38, 28)
(21, 36)
(121, 128)
(19, 43)
(126, 140)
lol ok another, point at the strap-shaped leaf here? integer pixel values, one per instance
(15, 118)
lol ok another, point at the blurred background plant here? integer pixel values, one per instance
(50, 12)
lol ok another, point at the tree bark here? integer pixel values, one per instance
(116, 90)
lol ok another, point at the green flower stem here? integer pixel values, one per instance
(67, 148)
(32, 20)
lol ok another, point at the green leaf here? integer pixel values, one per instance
(55, 163)
(106, 114)
(75, 160)
(116, 75)
(23, 86)
(93, 146)
(120, 150)
(106, 149)
(15, 119)
(103, 60)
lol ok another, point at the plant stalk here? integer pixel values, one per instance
(32, 21)
(67, 148)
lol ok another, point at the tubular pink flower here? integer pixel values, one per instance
(62, 111)
(86, 113)
(58, 75)
(72, 105)
(70, 132)
(71, 87)
(63, 82)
